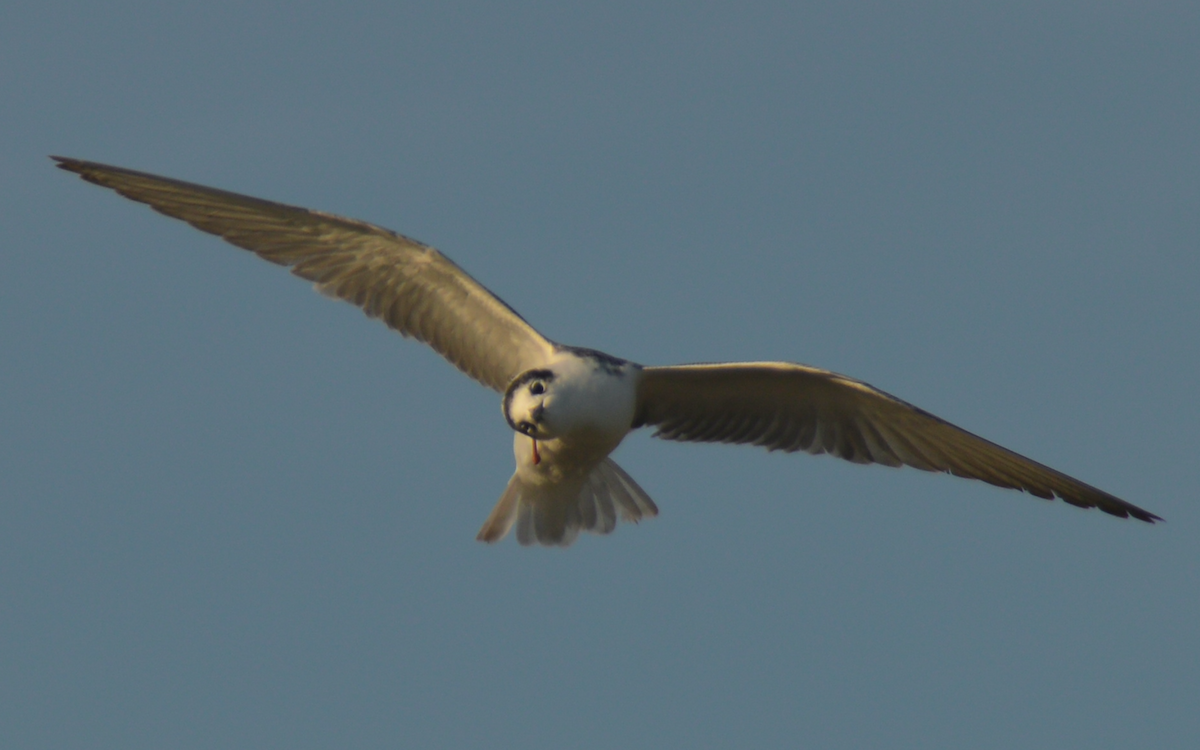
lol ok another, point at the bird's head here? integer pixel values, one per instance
(526, 400)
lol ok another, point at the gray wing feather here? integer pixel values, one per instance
(792, 407)
(413, 288)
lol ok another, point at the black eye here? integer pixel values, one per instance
(537, 389)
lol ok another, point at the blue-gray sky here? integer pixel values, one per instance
(236, 514)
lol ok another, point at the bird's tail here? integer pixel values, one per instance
(553, 514)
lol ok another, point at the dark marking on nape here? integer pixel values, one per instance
(517, 382)
(608, 363)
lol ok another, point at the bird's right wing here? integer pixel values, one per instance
(790, 407)
(412, 287)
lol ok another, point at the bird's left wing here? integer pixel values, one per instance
(413, 288)
(792, 407)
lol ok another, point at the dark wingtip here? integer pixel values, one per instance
(1142, 515)
(88, 171)
(78, 166)
(1132, 511)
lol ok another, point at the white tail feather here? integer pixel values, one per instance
(553, 514)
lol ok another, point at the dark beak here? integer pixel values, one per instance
(530, 428)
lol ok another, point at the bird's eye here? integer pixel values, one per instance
(537, 389)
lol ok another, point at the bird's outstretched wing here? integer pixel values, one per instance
(791, 407)
(413, 288)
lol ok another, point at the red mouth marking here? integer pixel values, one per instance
(537, 459)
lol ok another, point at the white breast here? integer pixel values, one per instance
(591, 400)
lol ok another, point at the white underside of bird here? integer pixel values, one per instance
(569, 414)
(570, 407)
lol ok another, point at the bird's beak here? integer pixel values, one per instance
(533, 427)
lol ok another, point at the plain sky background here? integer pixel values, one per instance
(235, 514)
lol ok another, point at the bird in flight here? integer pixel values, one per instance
(570, 407)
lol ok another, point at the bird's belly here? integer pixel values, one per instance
(566, 458)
